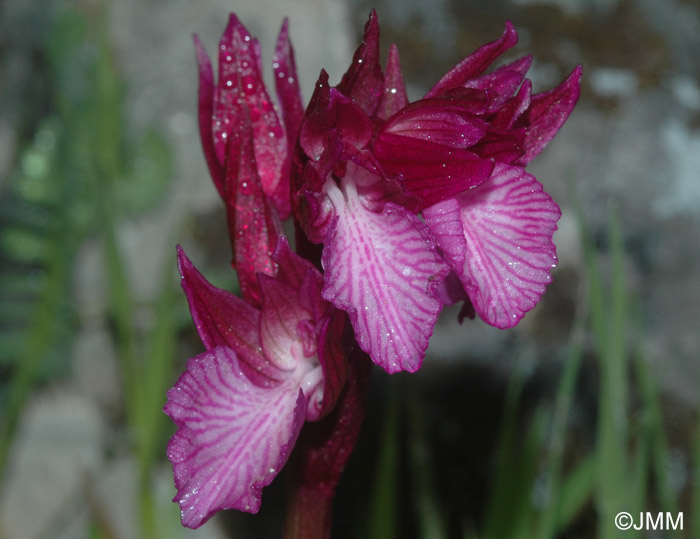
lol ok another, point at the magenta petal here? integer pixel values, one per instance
(547, 113)
(476, 63)
(233, 437)
(287, 86)
(433, 172)
(447, 125)
(508, 223)
(253, 225)
(514, 108)
(394, 94)
(444, 220)
(241, 86)
(382, 268)
(332, 358)
(223, 319)
(334, 115)
(503, 82)
(502, 146)
(206, 113)
(363, 82)
(281, 313)
(291, 268)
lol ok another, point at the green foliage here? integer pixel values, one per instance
(76, 179)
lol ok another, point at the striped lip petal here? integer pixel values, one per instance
(233, 437)
(508, 223)
(476, 63)
(381, 268)
(223, 319)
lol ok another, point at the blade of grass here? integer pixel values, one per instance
(431, 520)
(607, 317)
(576, 490)
(510, 488)
(383, 508)
(565, 396)
(655, 436)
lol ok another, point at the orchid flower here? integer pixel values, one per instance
(273, 358)
(240, 405)
(414, 205)
(370, 162)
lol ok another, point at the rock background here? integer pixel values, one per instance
(633, 143)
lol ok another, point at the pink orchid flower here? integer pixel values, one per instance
(416, 205)
(369, 162)
(240, 405)
(273, 358)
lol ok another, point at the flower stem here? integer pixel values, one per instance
(322, 451)
(309, 512)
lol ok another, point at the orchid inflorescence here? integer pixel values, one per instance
(400, 208)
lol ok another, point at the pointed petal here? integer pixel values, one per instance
(333, 361)
(547, 113)
(280, 316)
(433, 172)
(444, 220)
(253, 226)
(363, 82)
(291, 268)
(241, 86)
(394, 95)
(223, 319)
(503, 82)
(502, 146)
(287, 86)
(447, 125)
(206, 114)
(514, 108)
(233, 437)
(508, 223)
(381, 268)
(336, 115)
(476, 63)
